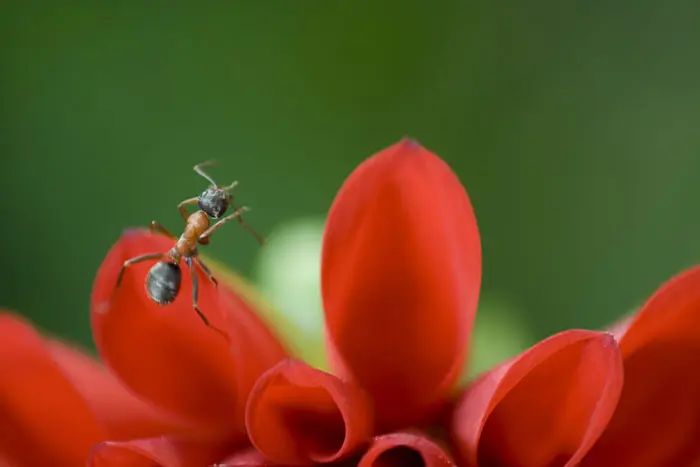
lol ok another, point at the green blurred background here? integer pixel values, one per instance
(573, 126)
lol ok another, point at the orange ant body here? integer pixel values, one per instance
(165, 277)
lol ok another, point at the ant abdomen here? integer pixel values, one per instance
(163, 282)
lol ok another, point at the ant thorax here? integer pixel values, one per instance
(214, 201)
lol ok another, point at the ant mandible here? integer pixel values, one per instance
(165, 277)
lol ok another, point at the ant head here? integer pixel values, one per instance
(214, 201)
(163, 282)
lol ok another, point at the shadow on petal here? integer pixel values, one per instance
(155, 452)
(657, 421)
(545, 407)
(405, 450)
(401, 272)
(167, 354)
(297, 414)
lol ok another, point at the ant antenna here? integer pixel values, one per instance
(198, 168)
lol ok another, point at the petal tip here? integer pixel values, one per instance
(410, 143)
(131, 232)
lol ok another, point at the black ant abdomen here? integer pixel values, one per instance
(163, 282)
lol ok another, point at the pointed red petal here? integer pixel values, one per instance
(657, 421)
(155, 452)
(545, 407)
(167, 354)
(297, 414)
(401, 273)
(405, 450)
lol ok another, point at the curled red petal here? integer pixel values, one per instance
(405, 449)
(657, 421)
(297, 414)
(401, 272)
(167, 354)
(546, 406)
(155, 452)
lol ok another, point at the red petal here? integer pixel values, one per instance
(167, 354)
(657, 421)
(401, 273)
(43, 418)
(47, 385)
(160, 452)
(119, 411)
(545, 407)
(297, 414)
(405, 450)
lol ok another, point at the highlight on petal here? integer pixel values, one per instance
(155, 452)
(166, 353)
(545, 407)
(297, 414)
(401, 272)
(248, 458)
(657, 421)
(405, 450)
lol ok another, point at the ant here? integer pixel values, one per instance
(164, 277)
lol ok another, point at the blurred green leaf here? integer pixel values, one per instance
(287, 271)
(500, 332)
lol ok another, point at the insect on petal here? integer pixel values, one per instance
(401, 271)
(405, 450)
(297, 414)
(657, 421)
(546, 406)
(166, 353)
(160, 452)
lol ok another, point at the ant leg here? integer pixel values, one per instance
(235, 215)
(183, 210)
(198, 168)
(195, 300)
(137, 259)
(158, 227)
(207, 271)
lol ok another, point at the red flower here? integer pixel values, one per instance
(401, 274)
